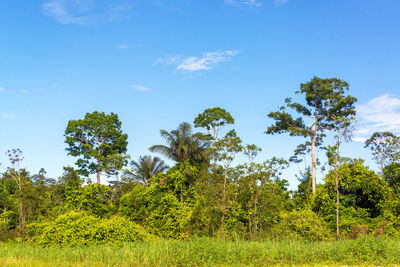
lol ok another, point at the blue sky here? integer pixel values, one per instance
(157, 63)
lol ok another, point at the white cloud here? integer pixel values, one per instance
(24, 91)
(2, 89)
(7, 116)
(140, 88)
(123, 46)
(85, 11)
(249, 3)
(379, 114)
(360, 139)
(192, 63)
(280, 2)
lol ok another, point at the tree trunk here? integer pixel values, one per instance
(255, 213)
(337, 204)
(98, 171)
(224, 205)
(313, 165)
(21, 207)
(337, 190)
(22, 216)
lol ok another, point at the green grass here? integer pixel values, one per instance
(208, 252)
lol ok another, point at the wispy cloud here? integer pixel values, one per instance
(123, 46)
(7, 116)
(193, 63)
(249, 3)
(140, 88)
(280, 2)
(379, 114)
(86, 11)
(2, 89)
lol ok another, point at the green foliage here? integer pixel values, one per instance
(96, 139)
(146, 168)
(166, 206)
(183, 145)
(301, 225)
(391, 174)
(385, 147)
(363, 197)
(213, 118)
(81, 229)
(134, 204)
(194, 198)
(326, 104)
(169, 218)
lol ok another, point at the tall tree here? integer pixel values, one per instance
(325, 100)
(226, 149)
(214, 120)
(344, 132)
(147, 167)
(183, 145)
(96, 140)
(385, 147)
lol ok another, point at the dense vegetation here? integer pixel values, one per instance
(204, 195)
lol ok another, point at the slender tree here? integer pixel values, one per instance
(344, 132)
(97, 140)
(214, 120)
(385, 147)
(226, 149)
(325, 99)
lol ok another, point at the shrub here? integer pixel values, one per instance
(80, 229)
(301, 225)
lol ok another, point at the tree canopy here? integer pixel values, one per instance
(96, 140)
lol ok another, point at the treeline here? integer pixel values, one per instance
(203, 193)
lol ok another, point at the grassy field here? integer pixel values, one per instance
(209, 252)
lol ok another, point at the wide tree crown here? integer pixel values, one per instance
(95, 138)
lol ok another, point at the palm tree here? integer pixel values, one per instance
(182, 145)
(147, 167)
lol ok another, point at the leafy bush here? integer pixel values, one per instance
(302, 225)
(169, 218)
(80, 229)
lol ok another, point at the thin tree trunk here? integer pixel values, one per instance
(98, 171)
(337, 191)
(224, 205)
(313, 165)
(21, 207)
(22, 216)
(255, 213)
(337, 205)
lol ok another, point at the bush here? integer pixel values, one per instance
(302, 225)
(80, 229)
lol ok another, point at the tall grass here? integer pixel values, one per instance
(208, 252)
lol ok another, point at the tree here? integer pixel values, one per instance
(183, 145)
(325, 100)
(147, 167)
(96, 140)
(226, 149)
(385, 148)
(15, 157)
(213, 120)
(344, 132)
(363, 196)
